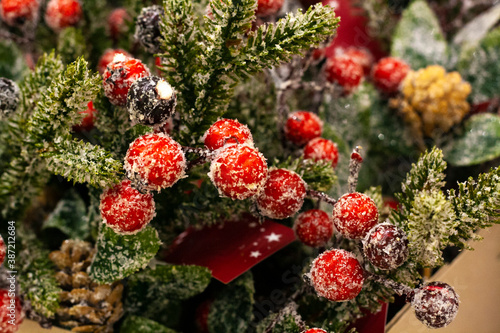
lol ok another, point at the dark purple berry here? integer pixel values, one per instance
(147, 28)
(435, 304)
(151, 101)
(9, 96)
(386, 246)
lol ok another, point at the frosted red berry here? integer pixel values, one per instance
(238, 171)
(282, 195)
(11, 311)
(117, 22)
(314, 227)
(126, 210)
(154, 162)
(344, 71)
(302, 126)
(321, 149)
(315, 330)
(354, 214)
(362, 57)
(388, 73)
(18, 12)
(386, 246)
(87, 122)
(108, 56)
(337, 275)
(435, 304)
(3, 250)
(119, 76)
(225, 131)
(268, 7)
(61, 14)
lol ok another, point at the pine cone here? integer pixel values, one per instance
(85, 305)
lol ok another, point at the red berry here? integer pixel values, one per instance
(238, 171)
(315, 330)
(282, 195)
(226, 131)
(337, 275)
(344, 71)
(388, 73)
(125, 209)
(320, 149)
(3, 250)
(107, 58)
(11, 312)
(302, 126)
(117, 22)
(435, 304)
(17, 12)
(155, 162)
(119, 76)
(362, 57)
(314, 227)
(386, 246)
(268, 7)
(354, 215)
(61, 14)
(87, 123)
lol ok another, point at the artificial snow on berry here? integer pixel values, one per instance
(227, 131)
(386, 246)
(344, 71)
(147, 29)
(154, 162)
(320, 149)
(302, 126)
(361, 56)
(435, 304)
(314, 227)
(337, 275)
(18, 12)
(117, 22)
(282, 195)
(61, 14)
(119, 76)
(151, 101)
(108, 56)
(238, 171)
(388, 73)
(11, 312)
(3, 250)
(354, 214)
(268, 7)
(87, 123)
(9, 97)
(126, 210)
(315, 330)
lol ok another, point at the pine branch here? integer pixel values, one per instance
(319, 176)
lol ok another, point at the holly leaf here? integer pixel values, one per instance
(474, 31)
(418, 38)
(135, 324)
(231, 311)
(480, 66)
(118, 256)
(69, 217)
(478, 143)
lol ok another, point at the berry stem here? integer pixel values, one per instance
(354, 166)
(321, 196)
(205, 155)
(398, 288)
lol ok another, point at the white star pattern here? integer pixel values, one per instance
(255, 254)
(273, 237)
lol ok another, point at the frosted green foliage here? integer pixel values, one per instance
(480, 66)
(71, 44)
(470, 34)
(69, 217)
(134, 324)
(319, 176)
(231, 311)
(12, 63)
(36, 275)
(418, 38)
(482, 130)
(476, 205)
(119, 256)
(169, 281)
(375, 193)
(430, 223)
(287, 324)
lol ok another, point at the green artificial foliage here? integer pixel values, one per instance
(319, 176)
(140, 324)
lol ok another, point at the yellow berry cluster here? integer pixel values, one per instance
(432, 101)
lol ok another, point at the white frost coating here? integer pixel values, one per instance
(119, 57)
(164, 89)
(435, 304)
